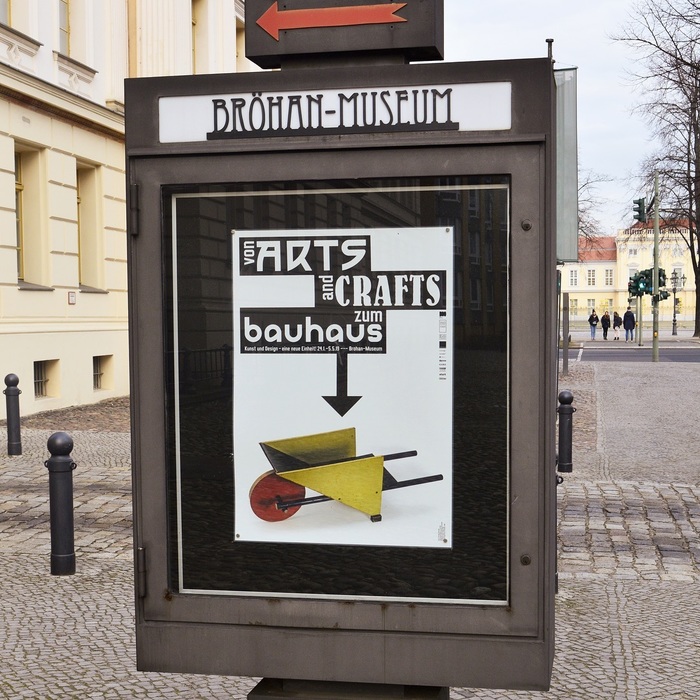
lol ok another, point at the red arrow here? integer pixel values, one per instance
(273, 21)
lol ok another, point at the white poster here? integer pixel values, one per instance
(343, 386)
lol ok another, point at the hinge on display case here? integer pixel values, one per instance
(141, 572)
(134, 209)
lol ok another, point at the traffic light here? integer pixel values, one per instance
(662, 277)
(643, 283)
(640, 209)
(633, 286)
(663, 295)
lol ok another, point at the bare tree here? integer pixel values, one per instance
(666, 37)
(588, 202)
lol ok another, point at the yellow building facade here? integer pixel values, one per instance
(599, 280)
(63, 268)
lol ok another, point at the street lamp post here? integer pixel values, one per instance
(675, 280)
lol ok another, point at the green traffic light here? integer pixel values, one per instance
(640, 210)
(633, 285)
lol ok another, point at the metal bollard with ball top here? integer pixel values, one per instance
(566, 412)
(61, 466)
(14, 437)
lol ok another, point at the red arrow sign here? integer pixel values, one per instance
(274, 21)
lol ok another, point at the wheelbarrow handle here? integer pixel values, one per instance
(387, 458)
(283, 505)
(413, 482)
(400, 455)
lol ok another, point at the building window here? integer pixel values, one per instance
(64, 27)
(573, 278)
(590, 303)
(75, 44)
(633, 252)
(194, 37)
(31, 226)
(590, 276)
(573, 307)
(102, 373)
(46, 378)
(459, 289)
(20, 15)
(97, 372)
(200, 38)
(19, 195)
(41, 379)
(89, 229)
(609, 278)
(474, 247)
(475, 295)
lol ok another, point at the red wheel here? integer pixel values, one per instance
(268, 490)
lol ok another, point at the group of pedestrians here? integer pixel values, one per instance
(628, 322)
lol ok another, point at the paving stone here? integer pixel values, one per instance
(627, 612)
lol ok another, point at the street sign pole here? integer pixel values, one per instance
(639, 321)
(565, 333)
(655, 288)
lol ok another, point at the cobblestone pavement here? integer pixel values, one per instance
(628, 608)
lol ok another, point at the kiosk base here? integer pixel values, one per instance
(286, 689)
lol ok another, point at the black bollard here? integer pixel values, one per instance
(14, 437)
(61, 466)
(566, 431)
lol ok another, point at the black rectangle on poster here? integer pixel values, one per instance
(312, 331)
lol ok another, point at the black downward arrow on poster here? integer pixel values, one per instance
(341, 403)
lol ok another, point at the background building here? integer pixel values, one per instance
(593, 282)
(636, 252)
(599, 280)
(63, 296)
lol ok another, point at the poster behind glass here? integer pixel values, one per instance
(287, 457)
(343, 400)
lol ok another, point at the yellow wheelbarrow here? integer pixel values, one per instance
(328, 464)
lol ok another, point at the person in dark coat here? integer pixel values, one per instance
(605, 324)
(593, 321)
(629, 323)
(617, 324)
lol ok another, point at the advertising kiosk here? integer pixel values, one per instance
(343, 348)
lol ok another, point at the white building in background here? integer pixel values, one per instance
(599, 279)
(636, 252)
(63, 277)
(592, 282)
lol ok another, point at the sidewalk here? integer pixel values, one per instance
(684, 338)
(628, 608)
(73, 636)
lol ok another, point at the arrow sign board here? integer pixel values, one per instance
(275, 20)
(277, 32)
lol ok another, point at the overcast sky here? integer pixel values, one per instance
(612, 140)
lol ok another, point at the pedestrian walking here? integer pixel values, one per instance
(593, 321)
(629, 323)
(617, 323)
(605, 324)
